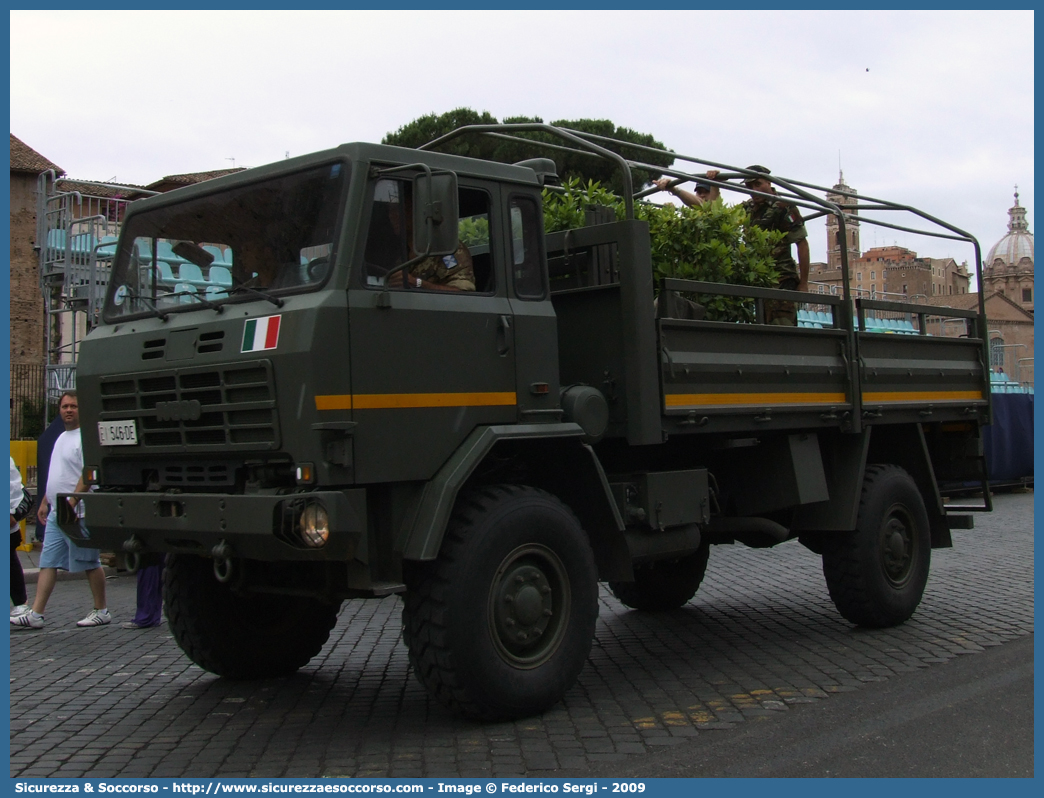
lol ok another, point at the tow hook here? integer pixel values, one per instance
(222, 554)
(133, 546)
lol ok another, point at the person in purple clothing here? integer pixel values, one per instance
(150, 594)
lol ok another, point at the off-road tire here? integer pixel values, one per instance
(238, 636)
(876, 574)
(664, 585)
(514, 560)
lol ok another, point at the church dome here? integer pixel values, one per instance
(1016, 246)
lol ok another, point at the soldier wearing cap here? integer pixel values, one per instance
(454, 272)
(704, 192)
(785, 217)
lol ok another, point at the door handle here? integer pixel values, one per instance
(504, 341)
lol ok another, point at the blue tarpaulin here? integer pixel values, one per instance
(1008, 442)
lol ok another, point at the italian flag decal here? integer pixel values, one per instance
(261, 334)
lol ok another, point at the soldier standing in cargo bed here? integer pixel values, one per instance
(704, 192)
(786, 218)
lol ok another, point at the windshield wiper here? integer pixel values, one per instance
(207, 303)
(244, 287)
(151, 303)
(163, 314)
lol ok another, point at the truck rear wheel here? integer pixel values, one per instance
(876, 574)
(501, 623)
(239, 636)
(664, 585)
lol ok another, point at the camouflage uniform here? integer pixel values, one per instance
(453, 271)
(786, 218)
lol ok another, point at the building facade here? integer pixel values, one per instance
(27, 305)
(1008, 267)
(894, 272)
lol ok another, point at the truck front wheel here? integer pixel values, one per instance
(664, 585)
(240, 636)
(501, 623)
(876, 574)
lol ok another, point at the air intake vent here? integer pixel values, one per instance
(153, 350)
(211, 342)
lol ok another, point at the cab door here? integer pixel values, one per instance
(536, 329)
(428, 364)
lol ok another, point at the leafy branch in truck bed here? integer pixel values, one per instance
(713, 242)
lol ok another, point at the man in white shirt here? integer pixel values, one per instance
(64, 476)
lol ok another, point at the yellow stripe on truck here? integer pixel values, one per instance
(388, 401)
(747, 399)
(873, 397)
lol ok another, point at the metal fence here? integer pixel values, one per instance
(29, 412)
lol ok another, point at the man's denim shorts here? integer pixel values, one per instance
(60, 552)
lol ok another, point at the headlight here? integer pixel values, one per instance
(314, 525)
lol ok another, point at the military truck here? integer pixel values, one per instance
(280, 404)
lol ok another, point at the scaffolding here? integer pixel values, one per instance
(77, 226)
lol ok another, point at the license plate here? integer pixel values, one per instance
(117, 433)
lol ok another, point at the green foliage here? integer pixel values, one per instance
(429, 127)
(716, 243)
(566, 209)
(603, 171)
(585, 167)
(713, 242)
(474, 230)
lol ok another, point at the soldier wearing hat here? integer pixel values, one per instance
(704, 192)
(785, 217)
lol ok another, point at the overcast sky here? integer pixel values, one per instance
(931, 109)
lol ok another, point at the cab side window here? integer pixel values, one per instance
(526, 238)
(389, 244)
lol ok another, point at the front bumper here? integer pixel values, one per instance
(258, 527)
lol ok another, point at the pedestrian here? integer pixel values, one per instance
(44, 447)
(778, 214)
(65, 476)
(150, 593)
(21, 504)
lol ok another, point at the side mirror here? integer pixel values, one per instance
(435, 214)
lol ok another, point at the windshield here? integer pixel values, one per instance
(249, 243)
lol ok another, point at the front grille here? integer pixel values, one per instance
(198, 408)
(195, 473)
(203, 474)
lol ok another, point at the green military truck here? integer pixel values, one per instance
(280, 404)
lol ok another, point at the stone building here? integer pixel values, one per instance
(1008, 267)
(851, 225)
(1008, 297)
(27, 307)
(895, 272)
(907, 275)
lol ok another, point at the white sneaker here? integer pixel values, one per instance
(95, 618)
(21, 609)
(27, 620)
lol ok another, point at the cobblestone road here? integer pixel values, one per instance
(760, 635)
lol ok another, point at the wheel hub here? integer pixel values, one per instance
(529, 599)
(525, 604)
(897, 549)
